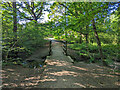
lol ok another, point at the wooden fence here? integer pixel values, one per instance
(65, 47)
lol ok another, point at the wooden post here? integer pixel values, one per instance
(65, 47)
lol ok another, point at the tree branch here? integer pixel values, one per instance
(29, 10)
(10, 5)
(66, 8)
(40, 13)
(25, 16)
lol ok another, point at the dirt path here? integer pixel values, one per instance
(17, 76)
(61, 73)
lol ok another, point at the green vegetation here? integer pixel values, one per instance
(20, 40)
(92, 28)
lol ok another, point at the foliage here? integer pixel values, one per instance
(91, 23)
(92, 27)
(111, 52)
(29, 38)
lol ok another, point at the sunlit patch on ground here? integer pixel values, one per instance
(57, 62)
(117, 83)
(48, 80)
(17, 76)
(30, 78)
(80, 68)
(80, 85)
(74, 74)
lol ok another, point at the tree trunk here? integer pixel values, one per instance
(80, 38)
(118, 26)
(87, 49)
(36, 23)
(98, 42)
(15, 27)
(65, 24)
(87, 33)
(15, 20)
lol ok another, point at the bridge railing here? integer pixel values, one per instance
(65, 47)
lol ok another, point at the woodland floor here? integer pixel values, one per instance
(60, 72)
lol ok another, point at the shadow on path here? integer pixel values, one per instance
(61, 73)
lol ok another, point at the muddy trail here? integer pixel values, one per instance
(60, 72)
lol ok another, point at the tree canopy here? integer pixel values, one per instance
(87, 23)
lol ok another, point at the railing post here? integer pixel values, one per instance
(65, 47)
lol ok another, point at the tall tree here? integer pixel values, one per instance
(98, 42)
(15, 20)
(83, 13)
(32, 10)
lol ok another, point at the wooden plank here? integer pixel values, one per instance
(64, 48)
